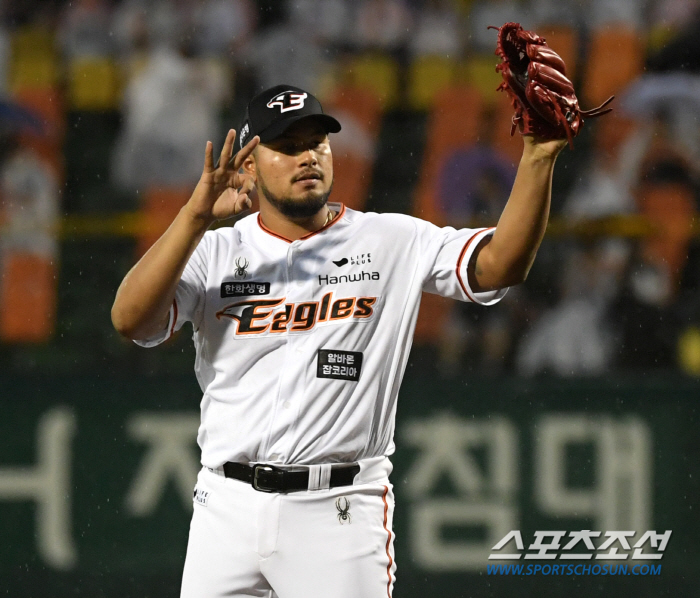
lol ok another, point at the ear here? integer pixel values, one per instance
(249, 166)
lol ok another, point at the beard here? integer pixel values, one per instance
(305, 207)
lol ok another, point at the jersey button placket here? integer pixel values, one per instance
(294, 250)
(284, 416)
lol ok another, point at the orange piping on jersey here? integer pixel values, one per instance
(306, 236)
(172, 328)
(388, 542)
(269, 232)
(461, 257)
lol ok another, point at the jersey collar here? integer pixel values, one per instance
(341, 213)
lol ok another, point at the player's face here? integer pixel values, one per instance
(295, 171)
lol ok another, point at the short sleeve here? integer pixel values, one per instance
(448, 252)
(188, 305)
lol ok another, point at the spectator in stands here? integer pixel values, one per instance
(170, 107)
(331, 20)
(354, 138)
(130, 27)
(673, 14)
(661, 294)
(646, 323)
(628, 14)
(481, 341)
(84, 30)
(287, 50)
(485, 13)
(29, 207)
(142, 26)
(223, 27)
(5, 55)
(30, 204)
(382, 25)
(574, 338)
(438, 30)
(682, 51)
(474, 185)
(604, 187)
(556, 12)
(673, 97)
(29, 218)
(169, 23)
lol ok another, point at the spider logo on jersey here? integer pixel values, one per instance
(288, 100)
(241, 267)
(256, 316)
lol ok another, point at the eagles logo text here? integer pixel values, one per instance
(256, 316)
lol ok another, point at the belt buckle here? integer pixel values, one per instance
(267, 469)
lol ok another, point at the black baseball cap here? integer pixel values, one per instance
(272, 112)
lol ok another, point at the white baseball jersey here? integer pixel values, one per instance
(302, 345)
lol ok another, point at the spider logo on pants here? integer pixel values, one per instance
(343, 506)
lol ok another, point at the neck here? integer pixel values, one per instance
(293, 228)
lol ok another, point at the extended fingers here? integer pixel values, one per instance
(209, 157)
(227, 150)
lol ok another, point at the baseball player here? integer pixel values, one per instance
(303, 316)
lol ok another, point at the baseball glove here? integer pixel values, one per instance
(534, 77)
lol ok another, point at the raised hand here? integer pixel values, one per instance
(221, 191)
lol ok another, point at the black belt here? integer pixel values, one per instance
(268, 478)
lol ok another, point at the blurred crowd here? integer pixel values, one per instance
(178, 73)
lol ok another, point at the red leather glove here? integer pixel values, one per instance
(534, 77)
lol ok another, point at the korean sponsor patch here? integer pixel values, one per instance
(244, 289)
(339, 365)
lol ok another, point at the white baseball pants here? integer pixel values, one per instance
(335, 543)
